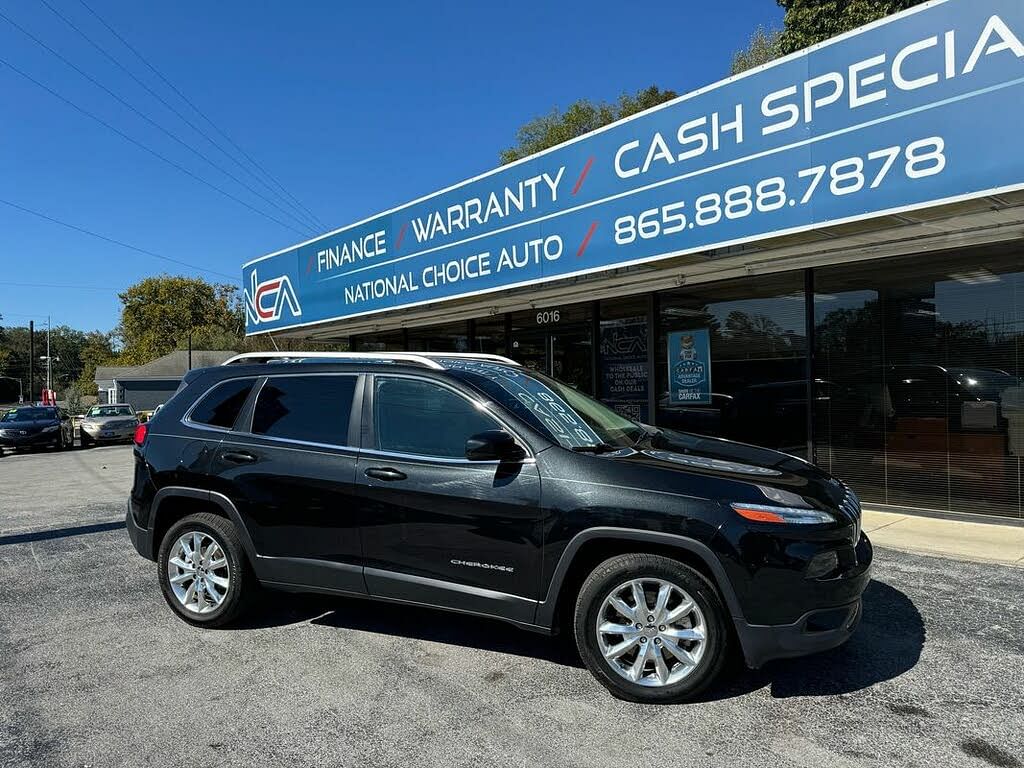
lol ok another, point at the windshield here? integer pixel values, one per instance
(110, 410)
(30, 414)
(984, 378)
(567, 416)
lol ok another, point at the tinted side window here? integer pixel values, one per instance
(222, 404)
(311, 408)
(422, 418)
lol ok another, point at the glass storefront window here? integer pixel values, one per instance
(390, 341)
(451, 337)
(622, 379)
(924, 357)
(489, 335)
(758, 353)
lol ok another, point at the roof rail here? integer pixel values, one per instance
(426, 359)
(299, 356)
(470, 356)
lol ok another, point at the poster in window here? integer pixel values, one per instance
(689, 367)
(624, 365)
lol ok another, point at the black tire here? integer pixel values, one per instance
(613, 573)
(241, 585)
(84, 441)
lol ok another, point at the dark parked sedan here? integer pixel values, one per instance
(36, 426)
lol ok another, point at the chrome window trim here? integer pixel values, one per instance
(417, 458)
(483, 405)
(260, 381)
(187, 418)
(302, 446)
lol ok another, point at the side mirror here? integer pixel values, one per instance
(494, 445)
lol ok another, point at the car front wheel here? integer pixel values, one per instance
(204, 575)
(650, 629)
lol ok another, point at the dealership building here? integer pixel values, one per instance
(823, 256)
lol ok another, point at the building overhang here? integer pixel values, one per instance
(985, 220)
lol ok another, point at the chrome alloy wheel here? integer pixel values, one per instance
(197, 570)
(651, 632)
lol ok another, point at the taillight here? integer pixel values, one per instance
(140, 434)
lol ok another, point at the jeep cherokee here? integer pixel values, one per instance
(470, 483)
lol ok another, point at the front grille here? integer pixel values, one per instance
(120, 424)
(850, 506)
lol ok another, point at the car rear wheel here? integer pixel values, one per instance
(650, 629)
(204, 575)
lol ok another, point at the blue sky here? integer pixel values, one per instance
(354, 108)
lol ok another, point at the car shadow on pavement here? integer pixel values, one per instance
(887, 643)
(450, 628)
(407, 621)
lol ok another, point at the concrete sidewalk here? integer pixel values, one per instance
(982, 542)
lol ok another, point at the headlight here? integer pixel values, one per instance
(51, 428)
(763, 513)
(89, 425)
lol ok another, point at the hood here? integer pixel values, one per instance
(109, 421)
(726, 460)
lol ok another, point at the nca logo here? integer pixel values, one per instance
(265, 302)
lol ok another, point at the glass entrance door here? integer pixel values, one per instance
(556, 342)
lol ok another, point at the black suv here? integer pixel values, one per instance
(472, 484)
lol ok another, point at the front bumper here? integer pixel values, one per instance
(30, 441)
(141, 538)
(786, 613)
(815, 631)
(108, 435)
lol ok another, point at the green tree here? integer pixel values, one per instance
(158, 313)
(97, 350)
(581, 117)
(72, 397)
(5, 352)
(811, 21)
(762, 48)
(75, 356)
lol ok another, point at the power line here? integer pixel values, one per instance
(55, 285)
(159, 98)
(152, 122)
(295, 202)
(114, 241)
(142, 146)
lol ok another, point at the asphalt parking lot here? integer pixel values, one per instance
(96, 671)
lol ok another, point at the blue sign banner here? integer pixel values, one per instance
(922, 108)
(689, 367)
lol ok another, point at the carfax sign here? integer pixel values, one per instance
(924, 107)
(689, 367)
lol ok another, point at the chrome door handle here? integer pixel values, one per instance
(238, 457)
(384, 473)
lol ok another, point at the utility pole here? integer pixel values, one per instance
(31, 360)
(49, 380)
(190, 350)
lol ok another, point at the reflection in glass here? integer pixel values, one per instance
(758, 360)
(924, 359)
